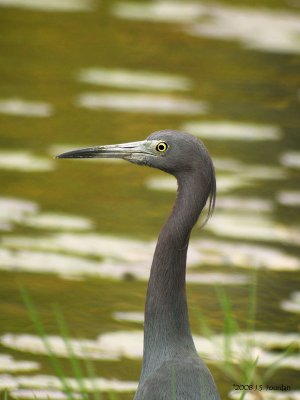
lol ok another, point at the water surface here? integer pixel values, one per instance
(80, 234)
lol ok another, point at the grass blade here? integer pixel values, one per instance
(75, 364)
(41, 332)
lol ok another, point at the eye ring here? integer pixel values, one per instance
(162, 147)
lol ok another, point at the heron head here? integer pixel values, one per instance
(171, 151)
(174, 152)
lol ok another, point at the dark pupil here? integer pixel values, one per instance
(161, 147)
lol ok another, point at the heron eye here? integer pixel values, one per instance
(162, 147)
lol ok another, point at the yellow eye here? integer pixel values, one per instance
(161, 147)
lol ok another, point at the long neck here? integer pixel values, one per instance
(167, 330)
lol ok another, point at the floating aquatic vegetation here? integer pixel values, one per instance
(24, 107)
(142, 80)
(9, 364)
(144, 103)
(25, 161)
(291, 159)
(292, 304)
(289, 198)
(229, 130)
(50, 5)
(261, 29)
(115, 345)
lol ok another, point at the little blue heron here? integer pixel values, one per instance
(171, 369)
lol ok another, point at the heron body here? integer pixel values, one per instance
(171, 368)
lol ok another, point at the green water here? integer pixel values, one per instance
(42, 54)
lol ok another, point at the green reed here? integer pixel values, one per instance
(73, 359)
(243, 370)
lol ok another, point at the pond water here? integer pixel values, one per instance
(79, 236)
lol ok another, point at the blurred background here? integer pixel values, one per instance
(79, 235)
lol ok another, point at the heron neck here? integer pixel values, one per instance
(167, 331)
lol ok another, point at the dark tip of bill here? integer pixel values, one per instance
(73, 154)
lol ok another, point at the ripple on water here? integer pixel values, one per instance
(262, 29)
(71, 267)
(65, 266)
(81, 348)
(161, 11)
(14, 210)
(47, 386)
(142, 80)
(245, 255)
(267, 395)
(24, 161)
(50, 5)
(24, 107)
(223, 130)
(115, 345)
(253, 227)
(129, 316)
(57, 222)
(259, 28)
(226, 183)
(289, 198)
(23, 212)
(141, 103)
(255, 204)
(231, 175)
(42, 394)
(291, 159)
(292, 304)
(121, 258)
(9, 364)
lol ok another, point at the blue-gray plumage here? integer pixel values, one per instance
(171, 367)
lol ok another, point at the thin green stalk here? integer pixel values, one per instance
(203, 325)
(112, 395)
(230, 328)
(72, 357)
(249, 372)
(252, 303)
(92, 374)
(41, 331)
(275, 365)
